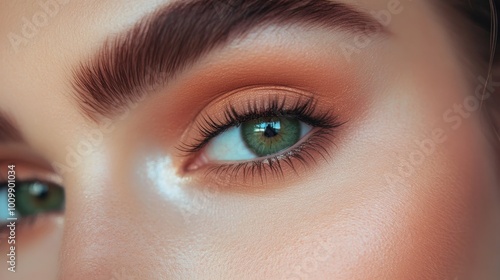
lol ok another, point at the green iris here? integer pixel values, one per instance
(33, 198)
(267, 136)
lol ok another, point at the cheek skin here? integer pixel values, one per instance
(428, 228)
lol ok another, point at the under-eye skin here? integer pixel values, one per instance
(264, 137)
(32, 199)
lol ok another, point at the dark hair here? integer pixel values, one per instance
(474, 26)
(473, 21)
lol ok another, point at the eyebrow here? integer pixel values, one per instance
(8, 131)
(172, 38)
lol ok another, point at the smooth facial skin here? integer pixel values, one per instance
(406, 188)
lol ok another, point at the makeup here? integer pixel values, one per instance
(238, 108)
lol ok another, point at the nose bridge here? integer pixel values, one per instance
(94, 237)
(102, 234)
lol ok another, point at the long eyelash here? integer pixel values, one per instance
(304, 154)
(304, 109)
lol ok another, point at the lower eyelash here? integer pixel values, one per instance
(307, 153)
(21, 223)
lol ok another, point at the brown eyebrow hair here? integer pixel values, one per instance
(8, 131)
(175, 36)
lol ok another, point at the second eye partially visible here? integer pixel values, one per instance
(32, 198)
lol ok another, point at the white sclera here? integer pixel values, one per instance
(4, 211)
(230, 146)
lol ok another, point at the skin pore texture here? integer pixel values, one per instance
(408, 187)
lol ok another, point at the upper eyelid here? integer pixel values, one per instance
(302, 108)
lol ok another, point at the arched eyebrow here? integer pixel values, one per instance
(175, 36)
(9, 133)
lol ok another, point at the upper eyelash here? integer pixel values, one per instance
(304, 109)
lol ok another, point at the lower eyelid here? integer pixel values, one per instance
(32, 228)
(310, 151)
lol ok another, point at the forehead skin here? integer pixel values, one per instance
(357, 229)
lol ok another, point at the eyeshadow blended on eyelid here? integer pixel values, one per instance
(166, 42)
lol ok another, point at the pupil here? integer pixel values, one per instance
(270, 131)
(43, 195)
(39, 191)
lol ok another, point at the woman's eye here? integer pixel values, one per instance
(257, 138)
(31, 199)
